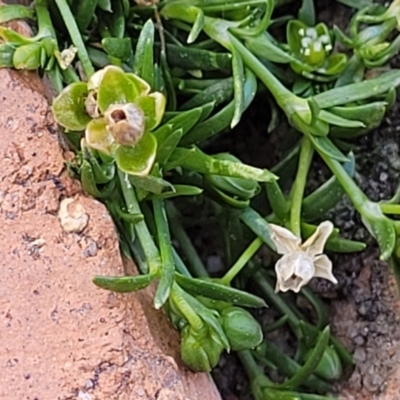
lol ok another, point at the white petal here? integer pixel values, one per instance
(315, 244)
(285, 241)
(293, 271)
(323, 268)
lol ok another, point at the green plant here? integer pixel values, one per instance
(152, 90)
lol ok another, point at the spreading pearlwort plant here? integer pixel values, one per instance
(147, 90)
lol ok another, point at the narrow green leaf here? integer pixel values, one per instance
(123, 284)
(194, 159)
(325, 145)
(167, 147)
(143, 64)
(307, 369)
(216, 291)
(258, 225)
(152, 184)
(359, 91)
(10, 12)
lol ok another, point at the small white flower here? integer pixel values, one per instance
(301, 262)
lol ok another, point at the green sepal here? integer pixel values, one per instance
(115, 88)
(69, 107)
(153, 106)
(98, 137)
(139, 159)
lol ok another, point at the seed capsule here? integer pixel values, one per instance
(126, 122)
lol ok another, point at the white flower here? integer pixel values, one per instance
(301, 262)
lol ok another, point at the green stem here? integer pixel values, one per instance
(196, 265)
(358, 198)
(306, 153)
(390, 208)
(267, 289)
(76, 37)
(252, 369)
(242, 261)
(283, 96)
(146, 240)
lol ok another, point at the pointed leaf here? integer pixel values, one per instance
(143, 64)
(194, 159)
(167, 147)
(326, 146)
(359, 91)
(123, 284)
(217, 291)
(380, 227)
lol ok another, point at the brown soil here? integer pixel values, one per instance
(62, 337)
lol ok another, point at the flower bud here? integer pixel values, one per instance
(198, 350)
(126, 122)
(241, 329)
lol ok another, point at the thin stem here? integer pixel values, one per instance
(195, 264)
(279, 303)
(251, 367)
(76, 37)
(306, 154)
(353, 191)
(279, 91)
(242, 261)
(146, 240)
(390, 208)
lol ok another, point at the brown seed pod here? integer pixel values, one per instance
(125, 122)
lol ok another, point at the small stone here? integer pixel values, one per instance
(360, 355)
(91, 249)
(72, 215)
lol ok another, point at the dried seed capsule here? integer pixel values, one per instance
(91, 105)
(126, 122)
